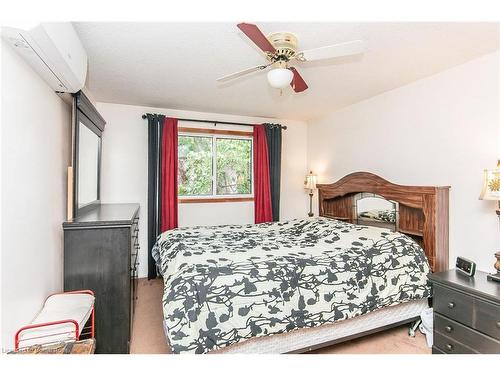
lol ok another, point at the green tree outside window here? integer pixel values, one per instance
(233, 161)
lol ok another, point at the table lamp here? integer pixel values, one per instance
(310, 183)
(491, 185)
(491, 192)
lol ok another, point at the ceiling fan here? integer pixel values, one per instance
(281, 49)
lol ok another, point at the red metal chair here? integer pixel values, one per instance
(57, 323)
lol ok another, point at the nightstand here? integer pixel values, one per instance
(466, 313)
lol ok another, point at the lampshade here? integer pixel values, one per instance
(491, 184)
(279, 78)
(310, 182)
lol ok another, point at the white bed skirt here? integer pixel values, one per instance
(311, 337)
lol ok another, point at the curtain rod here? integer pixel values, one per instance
(218, 122)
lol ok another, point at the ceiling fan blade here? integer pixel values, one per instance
(298, 84)
(242, 73)
(336, 50)
(256, 36)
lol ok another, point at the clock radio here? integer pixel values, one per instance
(466, 266)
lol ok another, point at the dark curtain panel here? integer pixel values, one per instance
(169, 175)
(155, 124)
(273, 135)
(262, 191)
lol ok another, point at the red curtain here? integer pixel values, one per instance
(168, 218)
(262, 185)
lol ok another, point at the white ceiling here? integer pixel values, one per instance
(175, 65)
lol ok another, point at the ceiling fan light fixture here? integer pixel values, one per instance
(281, 49)
(279, 78)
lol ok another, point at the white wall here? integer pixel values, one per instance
(35, 154)
(125, 175)
(441, 130)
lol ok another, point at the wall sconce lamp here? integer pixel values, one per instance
(491, 186)
(310, 184)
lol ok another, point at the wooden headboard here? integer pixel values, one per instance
(423, 210)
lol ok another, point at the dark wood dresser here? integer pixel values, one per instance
(100, 253)
(466, 313)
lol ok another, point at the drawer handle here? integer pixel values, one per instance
(449, 347)
(448, 329)
(498, 324)
(451, 305)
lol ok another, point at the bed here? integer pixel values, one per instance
(300, 284)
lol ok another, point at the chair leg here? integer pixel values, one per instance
(93, 321)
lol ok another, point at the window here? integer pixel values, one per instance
(214, 165)
(195, 165)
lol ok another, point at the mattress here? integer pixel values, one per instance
(228, 284)
(304, 338)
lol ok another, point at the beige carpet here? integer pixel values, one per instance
(148, 336)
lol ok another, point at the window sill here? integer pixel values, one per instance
(216, 200)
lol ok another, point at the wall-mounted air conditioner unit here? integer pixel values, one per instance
(54, 51)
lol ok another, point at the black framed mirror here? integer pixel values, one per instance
(88, 126)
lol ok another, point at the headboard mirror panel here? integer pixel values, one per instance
(420, 212)
(375, 210)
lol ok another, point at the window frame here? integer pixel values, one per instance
(216, 134)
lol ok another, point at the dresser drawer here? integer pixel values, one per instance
(462, 334)
(487, 318)
(455, 305)
(450, 346)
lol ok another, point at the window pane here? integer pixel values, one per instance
(234, 166)
(195, 165)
